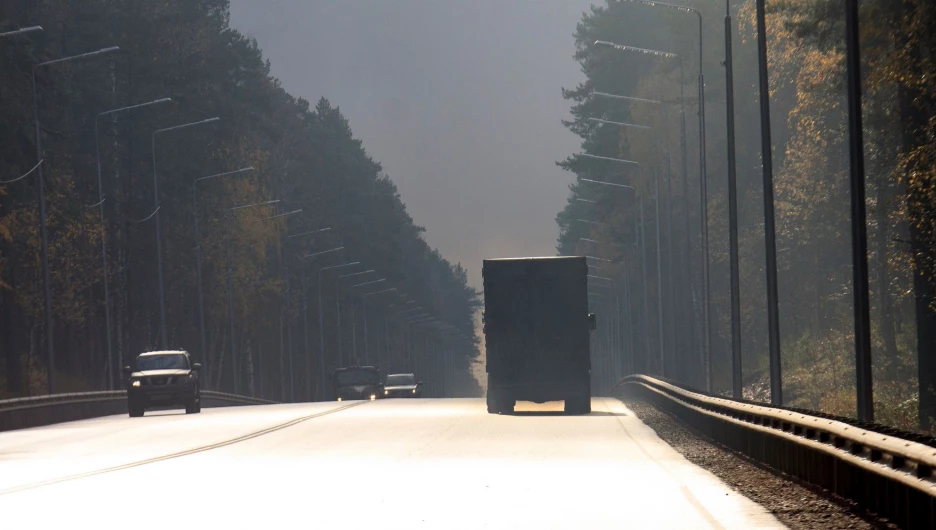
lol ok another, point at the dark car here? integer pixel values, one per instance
(163, 379)
(357, 382)
(402, 386)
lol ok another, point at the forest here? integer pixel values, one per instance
(646, 100)
(296, 228)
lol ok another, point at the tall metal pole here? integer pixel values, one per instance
(163, 333)
(670, 252)
(366, 341)
(305, 309)
(706, 319)
(230, 293)
(864, 381)
(289, 342)
(318, 288)
(643, 269)
(736, 380)
(659, 267)
(288, 311)
(353, 328)
(104, 267)
(689, 307)
(305, 336)
(230, 289)
(107, 315)
(162, 302)
(703, 180)
(628, 306)
(770, 240)
(406, 355)
(386, 338)
(338, 310)
(198, 270)
(620, 338)
(201, 296)
(43, 232)
(338, 324)
(46, 282)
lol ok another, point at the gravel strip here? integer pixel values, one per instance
(794, 504)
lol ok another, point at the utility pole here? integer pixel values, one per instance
(736, 381)
(770, 238)
(864, 381)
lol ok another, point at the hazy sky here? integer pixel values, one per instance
(459, 101)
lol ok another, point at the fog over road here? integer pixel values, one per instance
(385, 464)
(460, 102)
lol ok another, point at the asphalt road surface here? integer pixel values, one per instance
(385, 464)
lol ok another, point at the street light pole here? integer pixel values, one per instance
(690, 293)
(289, 341)
(659, 242)
(354, 319)
(305, 313)
(703, 181)
(608, 348)
(637, 237)
(97, 153)
(736, 380)
(364, 303)
(338, 309)
(318, 287)
(864, 382)
(44, 243)
(656, 187)
(230, 292)
(670, 253)
(627, 304)
(198, 271)
(163, 333)
(770, 238)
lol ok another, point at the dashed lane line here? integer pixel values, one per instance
(187, 452)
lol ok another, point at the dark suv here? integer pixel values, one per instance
(357, 382)
(163, 379)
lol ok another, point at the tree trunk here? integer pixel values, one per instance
(888, 333)
(918, 200)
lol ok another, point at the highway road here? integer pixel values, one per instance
(385, 464)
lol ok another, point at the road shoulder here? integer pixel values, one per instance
(797, 506)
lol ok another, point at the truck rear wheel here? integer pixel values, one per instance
(507, 405)
(578, 405)
(493, 395)
(493, 406)
(498, 402)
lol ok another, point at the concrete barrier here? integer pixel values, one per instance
(23, 413)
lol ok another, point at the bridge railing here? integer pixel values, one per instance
(889, 475)
(21, 413)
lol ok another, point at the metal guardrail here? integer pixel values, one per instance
(887, 475)
(21, 413)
